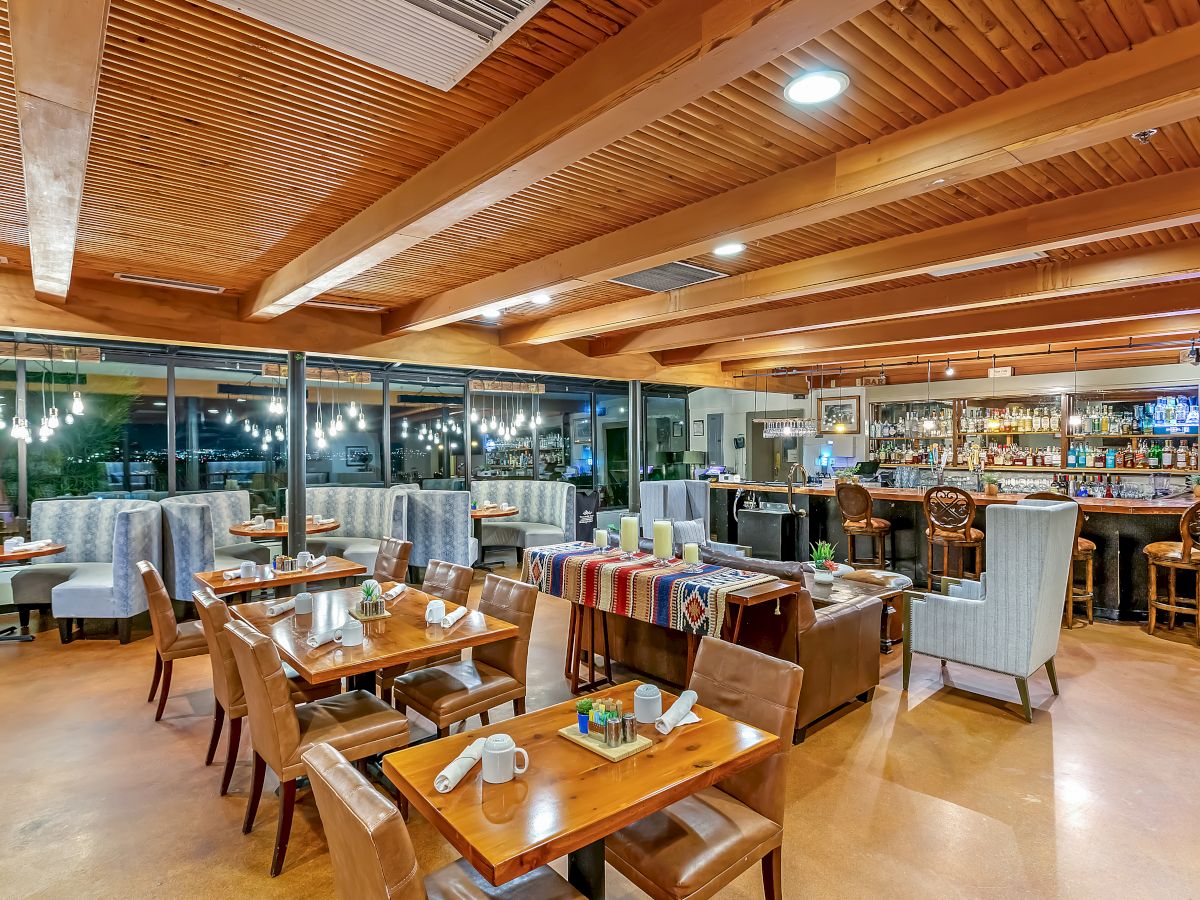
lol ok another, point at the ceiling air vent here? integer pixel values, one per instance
(436, 42)
(668, 277)
(151, 281)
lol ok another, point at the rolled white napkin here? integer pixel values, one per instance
(35, 545)
(259, 526)
(322, 637)
(316, 561)
(450, 618)
(395, 592)
(278, 609)
(322, 520)
(231, 574)
(680, 713)
(448, 779)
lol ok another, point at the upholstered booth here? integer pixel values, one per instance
(367, 514)
(439, 526)
(1009, 621)
(96, 577)
(547, 513)
(196, 538)
(685, 505)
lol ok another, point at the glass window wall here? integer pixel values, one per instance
(8, 449)
(345, 425)
(428, 435)
(502, 433)
(665, 435)
(611, 443)
(566, 448)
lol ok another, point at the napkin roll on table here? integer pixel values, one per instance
(680, 713)
(395, 592)
(316, 561)
(453, 617)
(448, 779)
(231, 574)
(322, 637)
(278, 609)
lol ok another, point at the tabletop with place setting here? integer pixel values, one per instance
(251, 576)
(277, 529)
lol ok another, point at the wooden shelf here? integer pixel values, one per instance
(1008, 433)
(1133, 437)
(924, 437)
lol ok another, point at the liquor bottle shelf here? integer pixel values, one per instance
(1008, 433)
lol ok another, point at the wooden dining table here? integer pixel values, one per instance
(392, 642)
(570, 798)
(26, 553)
(333, 568)
(280, 531)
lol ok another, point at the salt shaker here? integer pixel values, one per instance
(612, 732)
(628, 728)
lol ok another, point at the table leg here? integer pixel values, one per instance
(737, 621)
(693, 640)
(585, 870)
(363, 681)
(477, 530)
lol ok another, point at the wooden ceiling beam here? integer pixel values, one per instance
(760, 333)
(56, 49)
(1163, 202)
(1152, 311)
(668, 56)
(1099, 101)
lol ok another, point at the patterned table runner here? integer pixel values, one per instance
(691, 601)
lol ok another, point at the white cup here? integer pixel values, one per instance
(500, 759)
(647, 704)
(303, 558)
(248, 569)
(257, 520)
(435, 611)
(350, 634)
(304, 604)
(269, 524)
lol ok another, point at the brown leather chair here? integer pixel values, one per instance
(391, 562)
(454, 691)
(1085, 552)
(698, 845)
(172, 639)
(372, 853)
(854, 501)
(950, 512)
(357, 723)
(228, 695)
(1175, 555)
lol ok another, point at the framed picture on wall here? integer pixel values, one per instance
(697, 428)
(676, 429)
(839, 415)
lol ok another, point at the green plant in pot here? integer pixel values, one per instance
(823, 562)
(991, 485)
(1195, 482)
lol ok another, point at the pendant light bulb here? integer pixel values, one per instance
(267, 436)
(254, 431)
(246, 426)
(493, 423)
(322, 443)
(353, 409)
(69, 419)
(52, 419)
(77, 403)
(474, 415)
(228, 417)
(279, 432)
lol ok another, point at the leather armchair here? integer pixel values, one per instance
(372, 853)
(496, 673)
(356, 723)
(172, 640)
(696, 846)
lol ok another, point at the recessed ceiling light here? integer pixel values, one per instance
(540, 298)
(730, 249)
(937, 181)
(213, 412)
(492, 313)
(816, 87)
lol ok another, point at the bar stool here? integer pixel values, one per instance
(950, 512)
(1085, 552)
(854, 500)
(1174, 555)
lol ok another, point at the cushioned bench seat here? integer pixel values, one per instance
(515, 533)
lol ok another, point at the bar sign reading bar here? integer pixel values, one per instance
(1000, 372)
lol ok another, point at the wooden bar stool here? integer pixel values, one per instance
(1173, 556)
(1085, 552)
(950, 512)
(854, 500)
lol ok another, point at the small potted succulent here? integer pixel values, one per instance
(583, 709)
(1195, 480)
(991, 485)
(823, 563)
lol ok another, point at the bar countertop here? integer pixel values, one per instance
(1167, 506)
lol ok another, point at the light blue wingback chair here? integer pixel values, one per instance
(1008, 622)
(196, 538)
(96, 577)
(367, 514)
(439, 526)
(547, 513)
(686, 505)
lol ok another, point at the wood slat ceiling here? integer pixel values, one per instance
(14, 234)
(223, 147)
(908, 62)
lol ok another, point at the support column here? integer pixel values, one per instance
(468, 432)
(22, 450)
(385, 433)
(635, 445)
(297, 437)
(192, 479)
(172, 448)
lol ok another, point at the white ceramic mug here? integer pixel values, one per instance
(350, 634)
(304, 603)
(435, 611)
(248, 569)
(647, 704)
(303, 558)
(500, 759)
(269, 525)
(257, 520)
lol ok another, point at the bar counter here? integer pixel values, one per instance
(1120, 529)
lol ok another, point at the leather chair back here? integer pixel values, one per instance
(162, 614)
(854, 501)
(511, 601)
(449, 581)
(1189, 530)
(227, 684)
(950, 511)
(391, 562)
(760, 691)
(369, 845)
(274, 728)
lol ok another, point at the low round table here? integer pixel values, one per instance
(478, 516)
(280, 531)
(18, 557)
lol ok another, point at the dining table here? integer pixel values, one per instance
(334, 567)
(19, 556)
(395, 641)
(280, 531)
(569, 798)
(481, 514)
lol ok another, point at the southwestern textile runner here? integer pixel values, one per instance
(672, 596)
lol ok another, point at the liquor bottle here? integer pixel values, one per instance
(1168, 453)
(1110, 458)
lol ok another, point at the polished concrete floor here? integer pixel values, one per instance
(938, 793)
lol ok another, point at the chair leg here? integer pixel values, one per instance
(1069, 612)
(168, 665)
(443, 732)
(519, 706)
(1171, 599)
(256, 786)
(799, 735)
(66, 632)
(218, 721)
(1023, 690)
(929, 566)
(157, 675)
(868, 695)
(1087, 583)
(483, 719)
(1153, 596)
(1052, 675)
(772, 873)
(907, 640)
(23, 617)
(231, 753)
(287, 805)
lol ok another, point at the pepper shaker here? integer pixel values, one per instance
(628, 728)
(612, 732)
